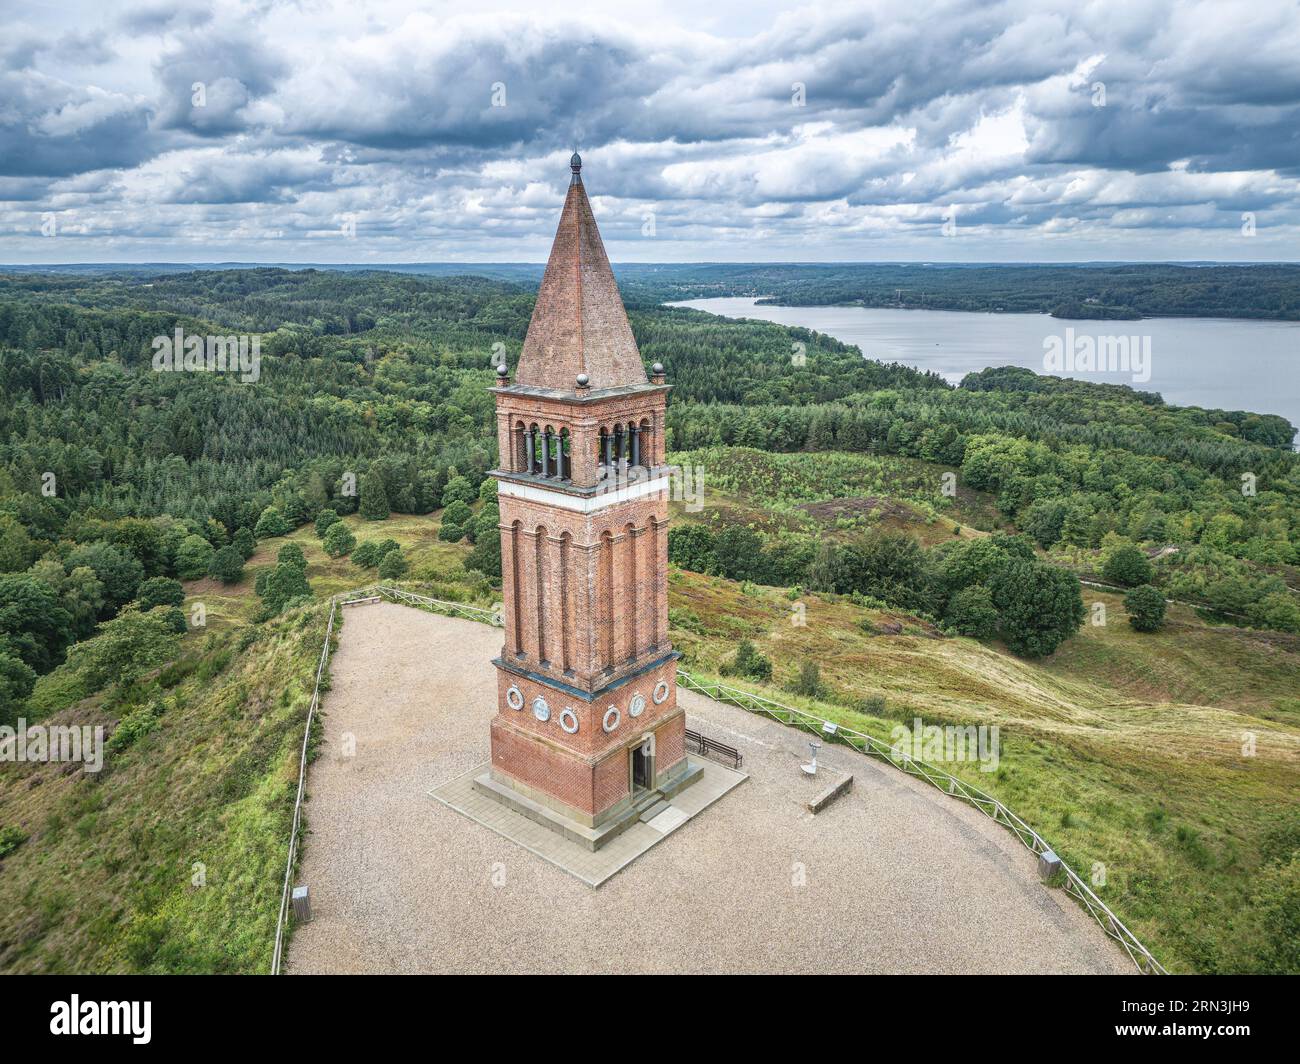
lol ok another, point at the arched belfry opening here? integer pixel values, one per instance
(587, 678)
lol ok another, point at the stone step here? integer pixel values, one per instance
(654, 811)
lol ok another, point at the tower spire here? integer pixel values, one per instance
(579, 324)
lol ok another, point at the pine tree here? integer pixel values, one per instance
(374, 497)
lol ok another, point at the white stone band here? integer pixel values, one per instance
(584, 504)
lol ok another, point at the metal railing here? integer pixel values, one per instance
(752, 703)
(830, 731)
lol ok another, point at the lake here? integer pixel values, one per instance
(1209, 362)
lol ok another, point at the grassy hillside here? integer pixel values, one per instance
(171, 858)
(1124, 749)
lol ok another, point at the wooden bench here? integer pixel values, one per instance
(702, 744)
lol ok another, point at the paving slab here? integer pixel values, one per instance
(593, 867)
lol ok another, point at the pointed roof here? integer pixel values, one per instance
(579, 324)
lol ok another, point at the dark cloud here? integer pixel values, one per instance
(208, 79)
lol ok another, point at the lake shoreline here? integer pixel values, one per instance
(1228, 364)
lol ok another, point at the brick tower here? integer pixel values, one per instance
(587, 734)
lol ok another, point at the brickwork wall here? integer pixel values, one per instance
(587, 593)
(670, 743)
(565, 777)
(610, 783)
(590, 740)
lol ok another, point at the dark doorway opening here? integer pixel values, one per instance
(640, 769)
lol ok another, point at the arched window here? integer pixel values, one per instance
(533, 444)
(647, 444)
(548, 451)
(603, 449)
(519, 449)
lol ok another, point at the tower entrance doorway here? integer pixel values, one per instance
(641, 769)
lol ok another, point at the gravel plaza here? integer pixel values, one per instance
(892, 877)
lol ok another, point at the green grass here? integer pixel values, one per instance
(1124, 750)
(171, 858)
(109, 880)
(833, 495)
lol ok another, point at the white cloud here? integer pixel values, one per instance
(384, 112)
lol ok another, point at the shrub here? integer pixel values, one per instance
(227, 565)
(458, 515)
(134, 726)
(971, 612)
(193, 558)
(1127, 565)
(245, 542)
(1278, 611)
(1145, 606)
(871, 706)
(324, 520)
(270, 524)
(126, 647)
(339, 540)
(809, 681)
(486, 555)
(285, 584)
(291, 554)
(10, 839)
(458, 489)
(160, 591)
(749, 662)
(393, 566)
(691, 547)
(365, 554)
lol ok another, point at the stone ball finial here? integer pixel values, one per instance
(503, 371)
(583, 380)
(658, 367)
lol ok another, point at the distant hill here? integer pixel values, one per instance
(1110, 290)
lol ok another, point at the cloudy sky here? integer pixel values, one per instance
(322, 131)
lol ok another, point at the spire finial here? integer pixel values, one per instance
(575, 164)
